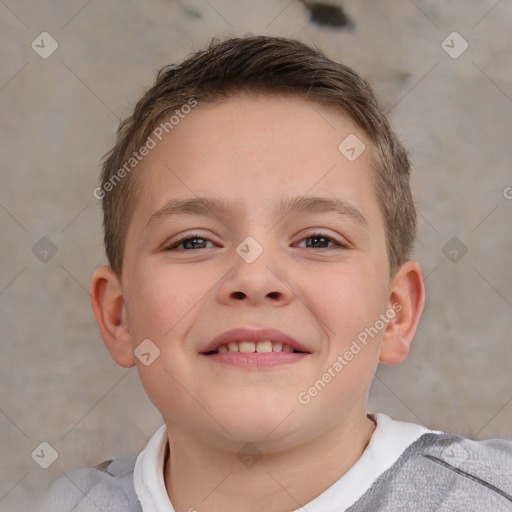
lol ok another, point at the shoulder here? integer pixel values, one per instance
(485, 466)
(108, 486)
(488, 462)
(443, 472)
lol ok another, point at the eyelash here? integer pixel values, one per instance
(337, 243)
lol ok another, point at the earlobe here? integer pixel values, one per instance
(108, 305)
(407, 299)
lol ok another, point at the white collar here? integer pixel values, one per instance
(148, 475)
(389, 440)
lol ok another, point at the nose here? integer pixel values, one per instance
(257, 283)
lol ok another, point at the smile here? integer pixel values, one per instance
(255, 354)
(247, 347)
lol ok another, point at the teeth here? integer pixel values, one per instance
(248, 347)
(264, 346)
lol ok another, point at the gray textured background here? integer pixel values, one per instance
(59, 116)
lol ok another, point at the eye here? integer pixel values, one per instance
(321, 241)
(312, 241)
(188, 242)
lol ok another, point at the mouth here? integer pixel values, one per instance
(254, 348)
(248, 340)
(249, 347)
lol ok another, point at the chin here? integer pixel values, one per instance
(255, 422)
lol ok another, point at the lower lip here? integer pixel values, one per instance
(257, 359)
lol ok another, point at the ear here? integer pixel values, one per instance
(107, 303)
(406, 300)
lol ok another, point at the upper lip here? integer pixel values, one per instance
(255, 335)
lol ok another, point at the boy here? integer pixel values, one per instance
(258, 224)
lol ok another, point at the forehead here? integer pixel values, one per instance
(253, 150)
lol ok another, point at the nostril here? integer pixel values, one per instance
(273, 295)
(238, 295)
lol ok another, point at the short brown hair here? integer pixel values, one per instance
(268, 65)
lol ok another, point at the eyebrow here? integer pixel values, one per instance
(213, 207)
(314, 204)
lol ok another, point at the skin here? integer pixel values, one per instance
(252, 151)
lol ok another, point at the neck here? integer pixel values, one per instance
(199, 476)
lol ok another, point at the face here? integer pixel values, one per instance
(317, 274)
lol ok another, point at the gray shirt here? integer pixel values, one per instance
(439, 472)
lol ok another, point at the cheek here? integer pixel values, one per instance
(162, 296)
(346, 300)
